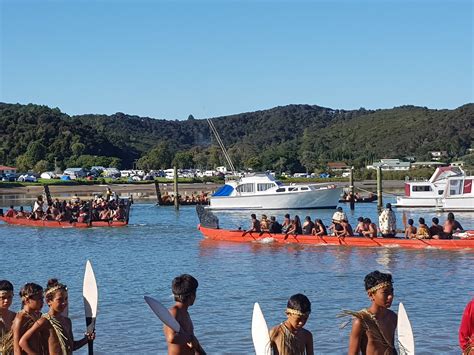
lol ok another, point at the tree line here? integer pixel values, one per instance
(288, 138)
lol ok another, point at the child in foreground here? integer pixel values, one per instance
(289, 337)
(32, 300)
(185, 342)
(373, 328)
(6, 316)
(54, 330)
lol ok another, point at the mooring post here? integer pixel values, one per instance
(158, 193)
(379, 189)
(351, 188)
(176, 194)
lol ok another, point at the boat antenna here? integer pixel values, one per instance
(221, 145)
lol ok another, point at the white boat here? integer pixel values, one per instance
(427, 193)
(262, 191)
(459, 195)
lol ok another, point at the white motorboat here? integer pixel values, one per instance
(262, 191)
(459, 195)
(427, 193)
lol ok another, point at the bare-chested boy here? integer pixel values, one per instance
(289, 337)
(6, 316)
(54, 329)
(184, 290)
(373, 328)
(32, 299)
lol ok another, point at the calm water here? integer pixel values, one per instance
(160, 243)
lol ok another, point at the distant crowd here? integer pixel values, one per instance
(101, 208)
(194, 198)
(340, 226)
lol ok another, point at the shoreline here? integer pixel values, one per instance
(147, 191)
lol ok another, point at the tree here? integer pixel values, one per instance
(42, 166)
(35, 152)
(158, 158)
(78, 148)
(253, 163)
(23, 163)
(183, 160)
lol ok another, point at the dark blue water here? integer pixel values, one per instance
(160, 243)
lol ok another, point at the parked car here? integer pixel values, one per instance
(10, 177)
(27, 178)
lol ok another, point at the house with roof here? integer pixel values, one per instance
(7, 170)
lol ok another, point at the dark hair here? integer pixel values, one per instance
(272, 218)
(451, 216)
(360, 219)
(367, 220)
(253, 215)
(375, 278)
(11, 206)
(388, 205)
(52, 287)
(339, 208)
(30, 289)
(410, 222)
(299, 302)
(319, 221)
(287, 215)
(435, 220)
(6, 285)
(184, 287)
(308, 218)
(421, 220)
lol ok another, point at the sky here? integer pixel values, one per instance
(170, 59)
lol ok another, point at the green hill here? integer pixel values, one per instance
(293, 137)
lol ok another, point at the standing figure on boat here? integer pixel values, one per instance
(388, 222)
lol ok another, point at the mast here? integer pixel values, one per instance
(221, 145)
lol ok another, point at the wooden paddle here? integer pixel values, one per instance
(260, 335)
(405, 332)
(91, 297)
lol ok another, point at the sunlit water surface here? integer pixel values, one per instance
(159, 244)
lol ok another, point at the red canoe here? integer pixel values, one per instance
(56, 224)
(239, 237)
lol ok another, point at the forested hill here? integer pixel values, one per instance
(293, 137)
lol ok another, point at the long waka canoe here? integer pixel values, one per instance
(240, 236)
(56, 224)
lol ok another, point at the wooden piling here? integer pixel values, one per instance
(176, 194)
(351, 188)
(159, 200)
(379, 189)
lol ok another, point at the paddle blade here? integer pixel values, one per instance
(405, 333)
(163, 313)
(91, 297)
(260, 335)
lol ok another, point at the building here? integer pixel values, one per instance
(438, 155)
(390, 165)
(338, 166)
(7, 169)
(427, 164)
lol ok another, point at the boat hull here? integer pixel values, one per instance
(318, 199)
(238, 236)
(56, 224)
(410, 202)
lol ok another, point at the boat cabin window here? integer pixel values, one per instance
(245, 188)
(421, 188)
(455, 187)
(304, 188)
(281, 189)
(440, 192)
(292, 189)
(264, 186)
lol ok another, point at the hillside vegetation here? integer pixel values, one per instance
(293, 137)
